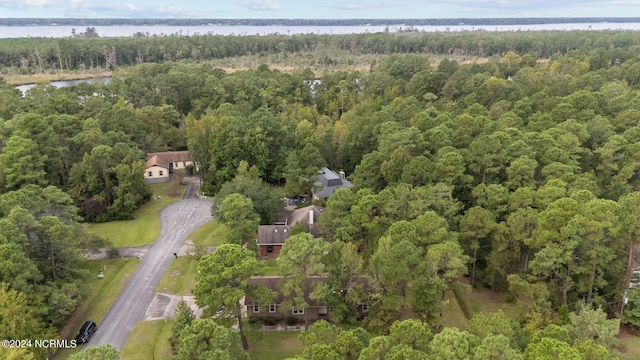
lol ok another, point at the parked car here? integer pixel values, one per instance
(87, 329)
(294, 201)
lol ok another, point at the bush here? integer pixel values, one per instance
(113, 253)
(269, 321)
(254, 320)
(291, 321)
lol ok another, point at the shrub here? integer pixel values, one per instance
(291, 321)
(269, 321)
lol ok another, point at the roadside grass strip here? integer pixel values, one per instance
(180, 277)
(145, 228)
(104, 293)
(210, 234)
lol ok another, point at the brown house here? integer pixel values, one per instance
(271, 238)
(316, 310)
(161, 164)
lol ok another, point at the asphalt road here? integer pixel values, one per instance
(178, 220)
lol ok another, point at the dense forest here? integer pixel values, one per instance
(519, 170)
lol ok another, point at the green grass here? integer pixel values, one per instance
(631, 347)
(104, 293)
(270, 267)
(145, 228)
(472, 302)
(451, 312)
(149, 340)
(275, 345)
(180, 277)
(209, 234)
(483, 300)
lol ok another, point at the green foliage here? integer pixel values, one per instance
(222, 283)
(237, 212)
(631, 313)
(101, 352)
(267, 200)
(204, 339)
(183, 318)
(592, 324)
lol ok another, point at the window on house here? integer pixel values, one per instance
(256, 308)
(150, 173)
(160, 173)
(272, 308)
(365, 307)
(298, 312)
(269, 249)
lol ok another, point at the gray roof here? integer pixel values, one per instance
(273, 234)
(301, 216)
(328, 182)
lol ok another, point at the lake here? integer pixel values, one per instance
(130, 30)
(63, 83)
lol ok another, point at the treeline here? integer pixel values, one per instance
(314, 22)
(37, 55)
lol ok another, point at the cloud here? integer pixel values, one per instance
(473, 6)
(259, 5)
(83, 8)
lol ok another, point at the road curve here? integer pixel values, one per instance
(177, 221)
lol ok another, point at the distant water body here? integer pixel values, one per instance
(129, 30)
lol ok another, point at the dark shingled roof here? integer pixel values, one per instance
(273, 234)
(301, 216)
(328, 182)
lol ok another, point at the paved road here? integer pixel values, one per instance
(177, 221)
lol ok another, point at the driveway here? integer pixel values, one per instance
(177, 221)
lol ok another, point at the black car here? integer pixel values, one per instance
(87, 329)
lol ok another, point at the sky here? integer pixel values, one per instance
(317, 9)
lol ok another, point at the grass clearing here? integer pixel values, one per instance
(451, 312)
(145, 228)
(269, 267)
(104, 292)
(210, 234)
(180, 276)
(149, 340)
(472, 302)
(275, 345)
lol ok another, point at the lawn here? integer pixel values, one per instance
(145, 228)
(209, 234)
(275, 345)
(180, 277)
(269, 267)
(451, 312)
(104, 292)
(149, 340)
(479, 300)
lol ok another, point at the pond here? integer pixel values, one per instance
(63, 83)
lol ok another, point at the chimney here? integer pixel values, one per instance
(310, 217)
(342, 175)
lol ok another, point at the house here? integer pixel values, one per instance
(328, 182)
(161, 164)
(316, 310)
(271, 238)
(307, 217)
